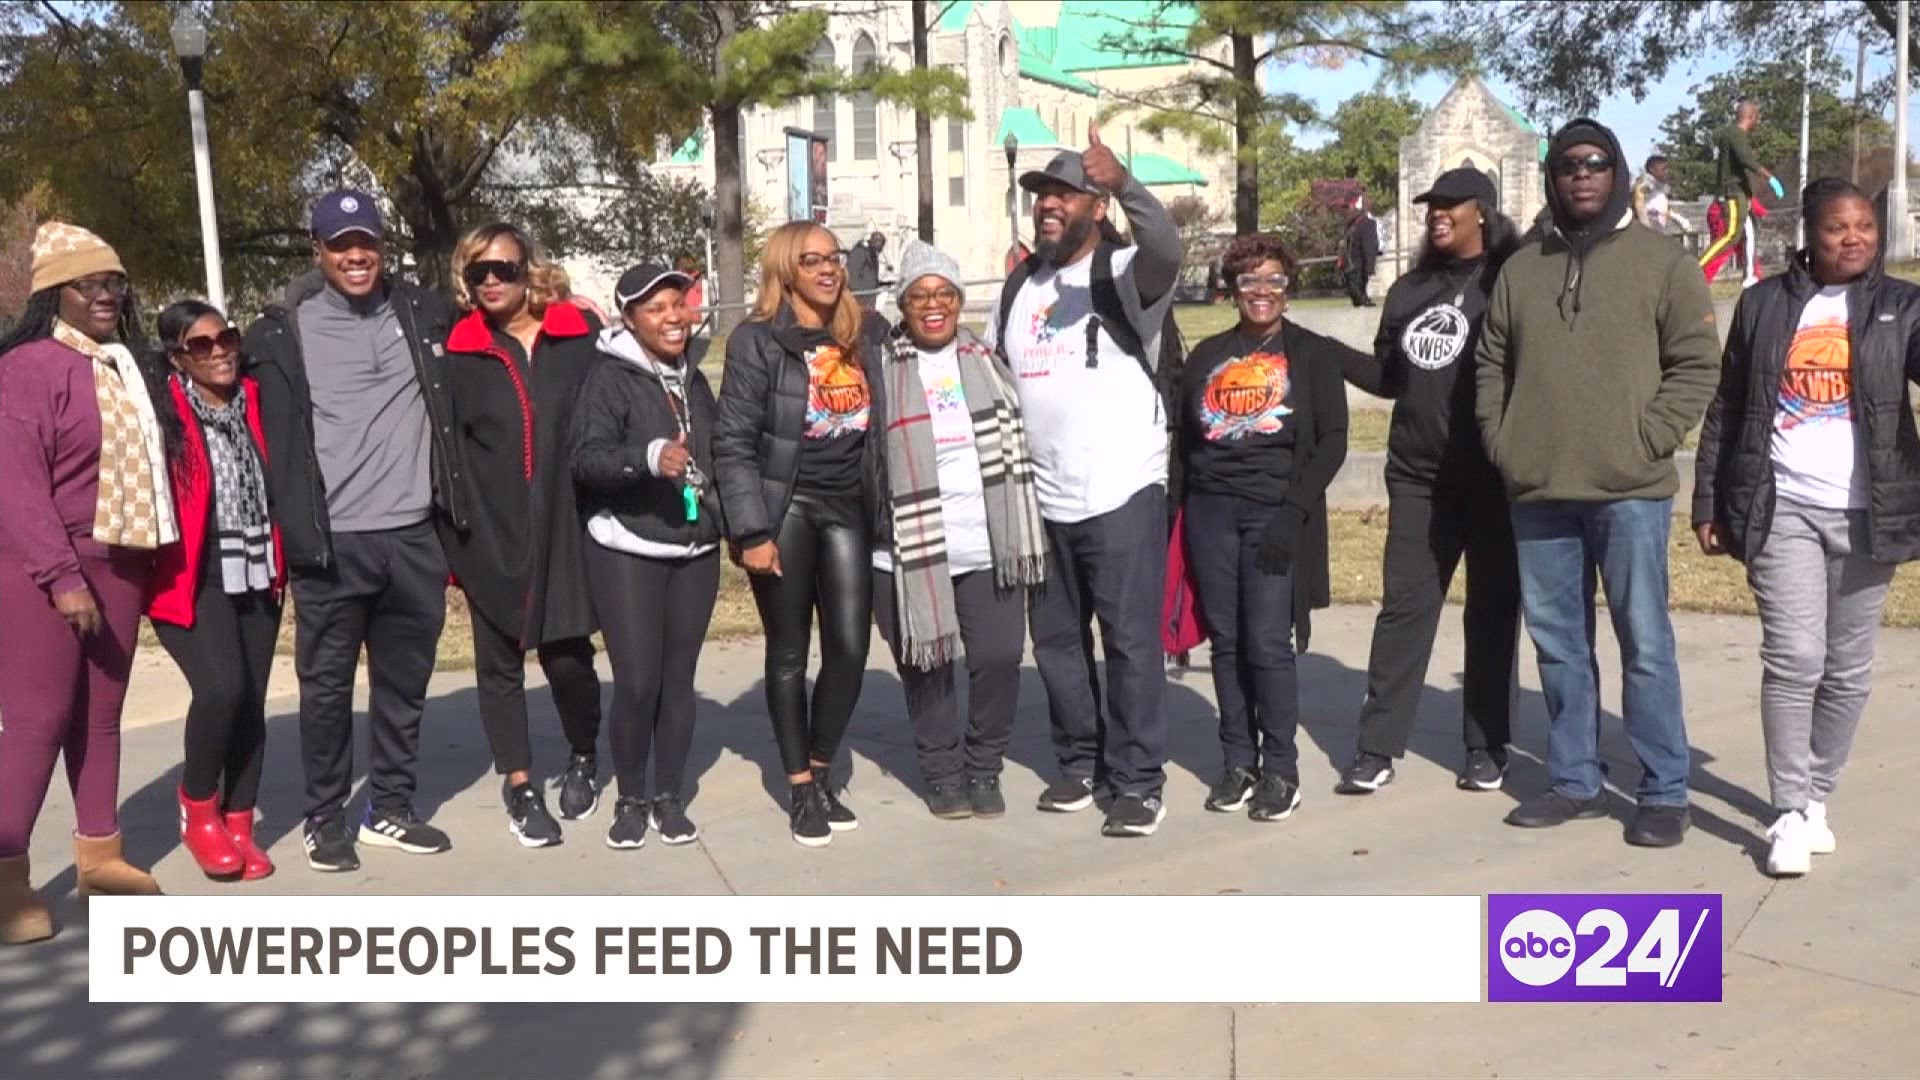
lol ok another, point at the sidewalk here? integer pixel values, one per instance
(1822, 974)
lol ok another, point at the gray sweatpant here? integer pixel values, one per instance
(1820, 606)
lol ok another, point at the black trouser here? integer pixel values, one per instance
(500, 679)
(1248, 616)
(1355, 283)
(385, 592)
(654, 614)
(993, 631)
(1112, 567)
(1427, 533)
(826, 562)
(227, 657)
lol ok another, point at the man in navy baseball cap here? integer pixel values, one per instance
(341, 212)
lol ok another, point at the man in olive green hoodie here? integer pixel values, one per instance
(1599, 354)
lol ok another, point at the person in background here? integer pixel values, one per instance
(1651, 198)
(83, 479)
(1596, 358)
(1809, 473)
(1263, 431)
(1734, 172)
(215, 597)
(695, 294)
(792, 459)
(514, 367)
(642, 443)
(958, 536)
(354, 401)
(1445, 500)
(561, 286)
(864, 271)
(1359, 253)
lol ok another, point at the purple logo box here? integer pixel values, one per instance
(1603, 947)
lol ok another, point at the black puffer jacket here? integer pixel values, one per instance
(1733, 474)
(623, 408)
(762, 418)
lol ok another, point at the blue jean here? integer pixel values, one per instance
(1562, 545)
(1248, 615)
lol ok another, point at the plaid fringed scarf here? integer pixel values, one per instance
(922, 583)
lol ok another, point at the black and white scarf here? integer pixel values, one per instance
(922, 583)
(243, 535)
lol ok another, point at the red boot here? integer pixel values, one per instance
(240, 826)
(206, 836)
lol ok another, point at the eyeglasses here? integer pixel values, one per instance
(813, 260)
(943, 297)
(201, 347)
(1592, 163)
(114, 285)
(1261, 283)
(506, 273)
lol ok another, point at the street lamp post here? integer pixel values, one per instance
(1012, 146)
(190, 42)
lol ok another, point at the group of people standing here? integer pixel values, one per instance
(365, 442)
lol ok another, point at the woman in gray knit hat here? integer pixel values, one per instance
(958, 539)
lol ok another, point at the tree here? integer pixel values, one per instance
(1220, 104)
(1367, 129)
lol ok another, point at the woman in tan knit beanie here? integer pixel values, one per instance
(83, 478)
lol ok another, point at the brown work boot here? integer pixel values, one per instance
(24, 916)
(105, 871)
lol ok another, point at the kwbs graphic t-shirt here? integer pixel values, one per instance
(963, 506)
(1813, 437)
(1238, 431)
(838, 400)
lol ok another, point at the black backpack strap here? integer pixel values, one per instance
(1009, 292)
(1111, 315)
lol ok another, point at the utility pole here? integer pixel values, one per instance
(1806, 121)
(1898, 243)
(1859, 92)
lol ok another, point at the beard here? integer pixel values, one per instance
(1058, 251)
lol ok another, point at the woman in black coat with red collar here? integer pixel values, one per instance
(515, 363)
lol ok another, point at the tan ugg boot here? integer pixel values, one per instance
(105, 871)
(24, 916)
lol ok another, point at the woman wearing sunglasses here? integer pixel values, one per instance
(515, 363)
(215, 599)
(83, 483)
(791, 458)
(1263, 429)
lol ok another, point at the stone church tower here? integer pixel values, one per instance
(1469, 127)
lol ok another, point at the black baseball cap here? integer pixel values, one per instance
(341, 212)
(639, 282)
(1458, 185)
(1065, 168)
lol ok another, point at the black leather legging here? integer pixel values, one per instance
(826, 562)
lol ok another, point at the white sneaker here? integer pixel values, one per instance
(1820, 839)
(1790, 855)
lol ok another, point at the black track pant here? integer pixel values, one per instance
(993, 632)
(654, 615)
(227, 658)
(826, 562)
(500, 678)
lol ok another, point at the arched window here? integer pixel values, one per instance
(866, 128)
(823, 104)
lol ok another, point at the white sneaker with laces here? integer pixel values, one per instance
(1790, 855)
(1820, 839)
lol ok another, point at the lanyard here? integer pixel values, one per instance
(696, 481)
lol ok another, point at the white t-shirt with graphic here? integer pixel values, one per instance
(963, 505)
(1813, 442)
(1097, 434)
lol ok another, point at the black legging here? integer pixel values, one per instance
(826, 561)
(227, 658)
(654, 613)
(500, 680)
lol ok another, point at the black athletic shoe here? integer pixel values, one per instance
(984, 793)
(629, 828)
(1134, 815)
(1483, 771)
(1553, 808)
(527, 816)
(579, 791)
(1659, 826)
(1231, 792)
(329, 845)
(947, 798)
(839, 817)
(1067, 794)
(807, 815)
(402, 831)
(1368, 774)
(1274, 800)
(670, 818)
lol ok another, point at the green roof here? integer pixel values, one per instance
(954, 19)
(1155, 169)
(1086, 28)
(1025, 124)
(693, 151)
(1036, 63)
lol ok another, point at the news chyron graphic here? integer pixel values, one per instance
(1603, 947)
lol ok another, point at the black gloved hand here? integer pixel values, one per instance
(1278, 542)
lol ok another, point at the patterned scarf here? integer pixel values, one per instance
(922, 584)
(135, 506)
(242, 533)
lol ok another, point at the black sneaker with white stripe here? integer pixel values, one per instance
(527, 817)
(1368, 774)
(840, 817)
(579, 790)
(402, 830)
(329, 846)
(1231, 792)
(1484, 771)
(1134, 815)
(1275, 799)
(670, 818)
(1067, 794)
(631, 814)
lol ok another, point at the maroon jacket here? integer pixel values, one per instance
(49, 463)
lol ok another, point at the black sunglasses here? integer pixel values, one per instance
(1572, 166)
(201, 346)
(506, 273)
